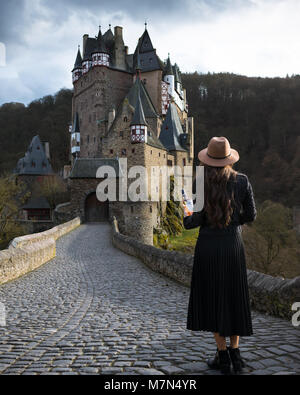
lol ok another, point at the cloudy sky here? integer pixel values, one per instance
(249, 37)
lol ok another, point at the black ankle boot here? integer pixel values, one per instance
(221, 362)
(237, 362)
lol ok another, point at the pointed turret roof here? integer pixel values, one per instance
(171, 130)
(138, 89)
(35, 161)
(148, 58)
(76, 128)
(145, 43)
(109, 38)
(100, 44)
(168, 68)
(139, 116)
(78, 62)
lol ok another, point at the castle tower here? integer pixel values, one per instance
(100, 55)
(77, 71)
(139, 126)
(169, 77)
(87, 58)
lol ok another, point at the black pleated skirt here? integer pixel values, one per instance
(219, 297)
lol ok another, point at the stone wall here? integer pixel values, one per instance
(27, 253)
(270, 295)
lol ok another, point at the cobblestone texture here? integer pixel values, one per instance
(95, 310)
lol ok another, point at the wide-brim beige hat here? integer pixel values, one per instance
(218, 153)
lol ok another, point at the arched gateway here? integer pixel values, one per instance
(94, 210)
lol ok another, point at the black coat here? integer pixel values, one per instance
(219, 297)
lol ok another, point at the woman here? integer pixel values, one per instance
(219, 297)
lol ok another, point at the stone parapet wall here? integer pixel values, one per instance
(28, 252)
(270, 295)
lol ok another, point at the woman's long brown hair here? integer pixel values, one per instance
(218, 203)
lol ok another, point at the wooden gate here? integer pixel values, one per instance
(96, 211)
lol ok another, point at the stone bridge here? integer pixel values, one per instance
(95, 310)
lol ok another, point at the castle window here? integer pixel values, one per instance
(133, 150)
(145, 81)
(124, 152)
(151, 209)
(184, 162)
(159, 154)
(131, 209)
(125, 119)
(111, 151)
(151, 152)
(88, 138)
(170, 163)
(122, 134)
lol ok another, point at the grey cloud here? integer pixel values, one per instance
(11, 20)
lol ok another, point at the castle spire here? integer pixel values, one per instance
(100, 55)
(139, 126)
(168, 69)
(77, 70)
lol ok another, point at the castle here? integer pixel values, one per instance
(125, 106)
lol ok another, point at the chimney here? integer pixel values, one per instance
(85, 37)
(119, 31)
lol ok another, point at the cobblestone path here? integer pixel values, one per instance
(95, 310)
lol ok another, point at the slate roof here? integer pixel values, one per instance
(148, 58)
(89, 48)
(88, 167)
(78, 62)
(139, 116)
(100, 45)
(37, 203)
(171, 130)
(168, 69)
(138, 89)
(109, 39)
(35, 161)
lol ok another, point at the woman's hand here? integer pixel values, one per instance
(186, 211)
